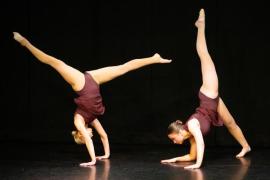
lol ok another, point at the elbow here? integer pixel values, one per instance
(192, 157)
(202, 145)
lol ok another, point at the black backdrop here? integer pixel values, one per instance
(37, 104)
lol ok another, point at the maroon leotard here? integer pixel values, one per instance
(89, 100)
(206, 114)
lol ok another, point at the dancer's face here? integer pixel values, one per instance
(177, 138)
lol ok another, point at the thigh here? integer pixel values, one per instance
(106, 74)
(209, 77)
(71, 75)
(224, 113)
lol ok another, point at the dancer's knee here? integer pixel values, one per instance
(57, 64)
(124, 68)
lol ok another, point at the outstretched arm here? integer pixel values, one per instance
(104, 139)
(79, 123)
(194, 129)
(188, 157)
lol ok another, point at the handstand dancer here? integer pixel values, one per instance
(89, 100)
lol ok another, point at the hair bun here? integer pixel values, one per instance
(178, 122)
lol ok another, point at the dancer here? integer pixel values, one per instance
(212, 110)
(89, 100)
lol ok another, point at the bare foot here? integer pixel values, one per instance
(244, 151)
(200, 23)
(160, 59)
(19, 38)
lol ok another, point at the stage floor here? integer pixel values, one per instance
(61, 161)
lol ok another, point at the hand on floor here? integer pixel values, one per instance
(194, 166)
(102, 157)
(88, 164)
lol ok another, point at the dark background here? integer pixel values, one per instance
(37, 104)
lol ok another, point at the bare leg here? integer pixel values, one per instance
(109, 73)
(210, 85)
(233, 128)
(209, 75)
(74, 77)
(104, 138)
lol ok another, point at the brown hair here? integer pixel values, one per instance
(77, 137)
(175, 127)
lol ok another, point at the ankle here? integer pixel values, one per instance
(246, 146)
(24, 42)
(156, 58)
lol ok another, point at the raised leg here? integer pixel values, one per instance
(209, 75)
(109, 73)
(233, 128)
(74, 77)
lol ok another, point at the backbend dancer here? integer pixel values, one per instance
(212, 110)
